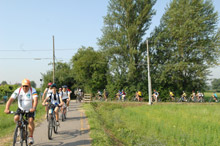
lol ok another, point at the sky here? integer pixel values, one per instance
(27, 27)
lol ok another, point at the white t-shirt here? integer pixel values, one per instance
(53, 100)
(49, 91)
(25, 100)
(65, 94)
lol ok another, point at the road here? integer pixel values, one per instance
(72, 132)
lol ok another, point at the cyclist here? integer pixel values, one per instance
(105, 94)
(123, 95)
(47, 91)
(193, 95)
(27, 100)
(215, 97)
(183, 96)
(99, 93)
(140, 96)
(155, 95)
(60, 90)
(56, 100)
(65, 95)
(172, 96)
(118, 95)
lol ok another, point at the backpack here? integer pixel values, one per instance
(20, 91)
(58, 96)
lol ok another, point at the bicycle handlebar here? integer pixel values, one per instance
(23, 111)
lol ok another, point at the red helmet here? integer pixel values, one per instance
(49, 84)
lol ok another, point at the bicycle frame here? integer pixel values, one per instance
(21, 125)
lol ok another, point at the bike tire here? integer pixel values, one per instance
(50, 128)
(47, 114)
(63, 118)
(16, 135)
(26, 135)
(21, 136)
(55, 127)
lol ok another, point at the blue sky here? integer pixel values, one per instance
(30, 25)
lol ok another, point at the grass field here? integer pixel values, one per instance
(161, 124)
(7, 124)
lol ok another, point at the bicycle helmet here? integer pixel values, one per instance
(64, 86)
(53, 85)
(49, 84)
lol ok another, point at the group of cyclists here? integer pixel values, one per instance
(199, 96)
(100, 95)
(28, 100)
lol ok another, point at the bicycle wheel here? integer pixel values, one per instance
(210, 99)
(25, 135)
(63, 116)
(47, 113)
(50, 127)
(17, 137)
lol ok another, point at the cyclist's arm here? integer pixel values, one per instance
(44, 94)
(46, 99)
(61, 101)
(33, 109)
(69, 95)
(8, 104)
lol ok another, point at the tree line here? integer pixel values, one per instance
(183, 48)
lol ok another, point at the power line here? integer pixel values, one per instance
(30, 58)
(39, 50)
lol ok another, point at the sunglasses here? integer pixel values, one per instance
(25, 86)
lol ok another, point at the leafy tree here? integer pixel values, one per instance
(4, 83)
(216, 84)
(125, 25)
(33, 84)
(63, 76)
(89, 69)
(184, 46)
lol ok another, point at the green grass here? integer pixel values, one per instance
(7, 124)
(161, 124)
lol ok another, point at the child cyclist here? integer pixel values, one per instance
(55, 99)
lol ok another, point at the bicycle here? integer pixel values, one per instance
(52, 121)
(172, 99)
(158, 99)
(192, 99)
(21, 132)
(211, 99)
(64, 112)
(182, 99)
(78, 98)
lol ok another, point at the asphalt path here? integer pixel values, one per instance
(72, 132)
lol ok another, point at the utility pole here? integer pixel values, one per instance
(53, 61)
(149, 78)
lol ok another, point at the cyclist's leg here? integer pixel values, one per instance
(17, 117)
(56, 110)
(31, 126)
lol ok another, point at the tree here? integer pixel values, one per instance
(89, 69)
(216, 84)
(125, 25)
(185, 45)
(33, 84)
(4, 83)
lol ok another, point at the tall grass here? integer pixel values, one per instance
(161, 124)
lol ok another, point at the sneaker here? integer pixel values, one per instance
(31, 140)
(57, 123)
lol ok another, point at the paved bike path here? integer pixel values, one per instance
(72, 132)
